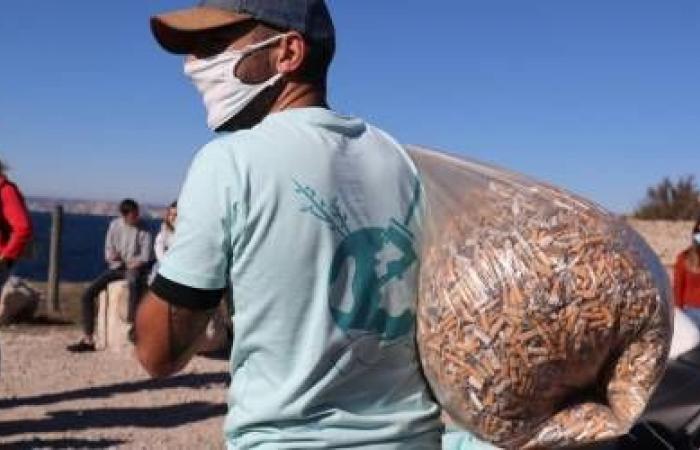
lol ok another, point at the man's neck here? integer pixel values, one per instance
(300, 96)
(293, 95)
(130, 224)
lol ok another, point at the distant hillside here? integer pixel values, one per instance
(87, 207)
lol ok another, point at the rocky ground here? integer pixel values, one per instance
(50, 398)
(667, 239)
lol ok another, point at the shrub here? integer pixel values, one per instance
(671, 201)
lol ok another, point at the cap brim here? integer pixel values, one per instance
(179, 31)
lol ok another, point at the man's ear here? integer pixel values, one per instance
(293, 51)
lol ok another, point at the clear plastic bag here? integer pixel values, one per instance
(543, 320)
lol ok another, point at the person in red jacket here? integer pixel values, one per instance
(686, 284)
(15, 225)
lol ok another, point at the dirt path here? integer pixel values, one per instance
(50, 398)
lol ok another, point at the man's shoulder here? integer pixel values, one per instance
(115, 225)
(226, 148)
(8, 187)
(393, 149)
(245, 147)
(226, 142)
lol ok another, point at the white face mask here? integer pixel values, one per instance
(225, 95)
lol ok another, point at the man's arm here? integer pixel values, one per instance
(145, 251)
(166, 335)
(159, 246)
(15, 212)
(192, 277)
(111, 253)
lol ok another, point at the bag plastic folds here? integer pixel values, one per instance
(543, 320)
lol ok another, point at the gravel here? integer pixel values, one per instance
(50, 398)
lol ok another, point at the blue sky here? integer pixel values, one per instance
(598, 96)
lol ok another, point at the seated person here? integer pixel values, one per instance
(128, 254)
(165, 236)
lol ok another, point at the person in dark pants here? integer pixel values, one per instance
(128, 252)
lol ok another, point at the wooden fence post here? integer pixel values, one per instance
(55, 260)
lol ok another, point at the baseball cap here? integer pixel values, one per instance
(178, 31)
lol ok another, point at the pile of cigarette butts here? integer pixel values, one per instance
(543, 320)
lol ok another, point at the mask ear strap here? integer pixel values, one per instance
(260, 45)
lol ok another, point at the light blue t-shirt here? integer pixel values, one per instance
(456, 439)
(315, 220)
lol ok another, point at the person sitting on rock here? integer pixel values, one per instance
(164, 239)
(128, 252)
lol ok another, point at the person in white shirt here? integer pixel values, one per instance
(164, 239)
(128, 254)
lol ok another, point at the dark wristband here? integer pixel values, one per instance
(186, 297)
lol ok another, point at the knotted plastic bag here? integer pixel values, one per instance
(543, 320)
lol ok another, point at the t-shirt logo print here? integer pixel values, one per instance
(362, 250)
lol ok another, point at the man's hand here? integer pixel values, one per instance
(132, 265)
(114, 258)
(167, 336)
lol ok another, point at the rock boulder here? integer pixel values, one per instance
(18, 301)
